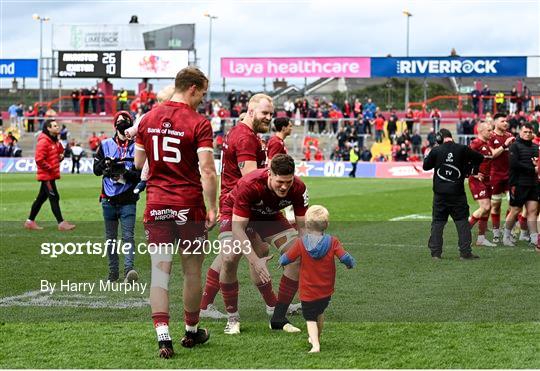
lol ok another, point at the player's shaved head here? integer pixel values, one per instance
(165, 94)
(484, 130)
(189, 76)
(259, 113)
(257, 98)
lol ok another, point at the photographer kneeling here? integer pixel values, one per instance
(114, 161)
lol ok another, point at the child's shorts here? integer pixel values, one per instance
(312, 309)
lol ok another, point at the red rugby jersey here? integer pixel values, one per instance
(275, 146)
(500, 165)
(251, 198)
(482, 147)
(241, 144)
(171, 134)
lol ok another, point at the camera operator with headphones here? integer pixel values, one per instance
(452, 163)
(114, 161)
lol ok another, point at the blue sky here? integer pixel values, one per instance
(292, 28)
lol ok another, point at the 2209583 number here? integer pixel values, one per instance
(215, 247)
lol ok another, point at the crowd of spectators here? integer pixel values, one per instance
(351, 123)
(8, 144)
(21, 119)
(484, 101)
(88, 98)
(92, 100)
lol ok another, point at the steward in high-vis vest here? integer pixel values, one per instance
(499, 101)
(122, 99)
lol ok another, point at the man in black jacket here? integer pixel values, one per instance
(523, 183)
(452, 163)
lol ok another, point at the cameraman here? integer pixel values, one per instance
(452, 163)
(114, 161)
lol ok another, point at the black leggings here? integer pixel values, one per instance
(47, 190)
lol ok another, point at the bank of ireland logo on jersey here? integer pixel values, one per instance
(166, 125)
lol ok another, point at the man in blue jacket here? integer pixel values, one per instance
(114, 161)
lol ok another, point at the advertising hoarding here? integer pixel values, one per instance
(449, 67)
(153, 63)
(18, 68)
(296, 67)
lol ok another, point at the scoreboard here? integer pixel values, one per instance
(89, 64)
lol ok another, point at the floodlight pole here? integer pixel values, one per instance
(210, 19)
(408, 15)
(41, 20)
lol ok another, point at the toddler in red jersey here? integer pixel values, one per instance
(316, 251)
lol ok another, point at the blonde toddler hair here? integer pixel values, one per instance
(317, 218)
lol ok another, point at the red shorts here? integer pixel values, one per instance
(499, 186)
(264, 228)
(167, 224)
(479, 190)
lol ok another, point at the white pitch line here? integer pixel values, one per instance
(410, 217)
(38, 298)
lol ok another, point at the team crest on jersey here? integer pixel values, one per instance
(496, 141)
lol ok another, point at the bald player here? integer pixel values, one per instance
(479, 184)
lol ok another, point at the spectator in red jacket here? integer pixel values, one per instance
(93, 142)
(379, 128)
(49, 154)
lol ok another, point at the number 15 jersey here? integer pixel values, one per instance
(172, 134)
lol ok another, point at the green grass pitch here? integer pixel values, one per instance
(397, 309)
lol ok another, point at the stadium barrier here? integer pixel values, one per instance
(108, 104)
(408, 170)
(464, 106)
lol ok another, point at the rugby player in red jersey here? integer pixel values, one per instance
(177, 141)
(499, 143)
(242, 153)
(254, 208)
(276, 144)
(479, 184)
